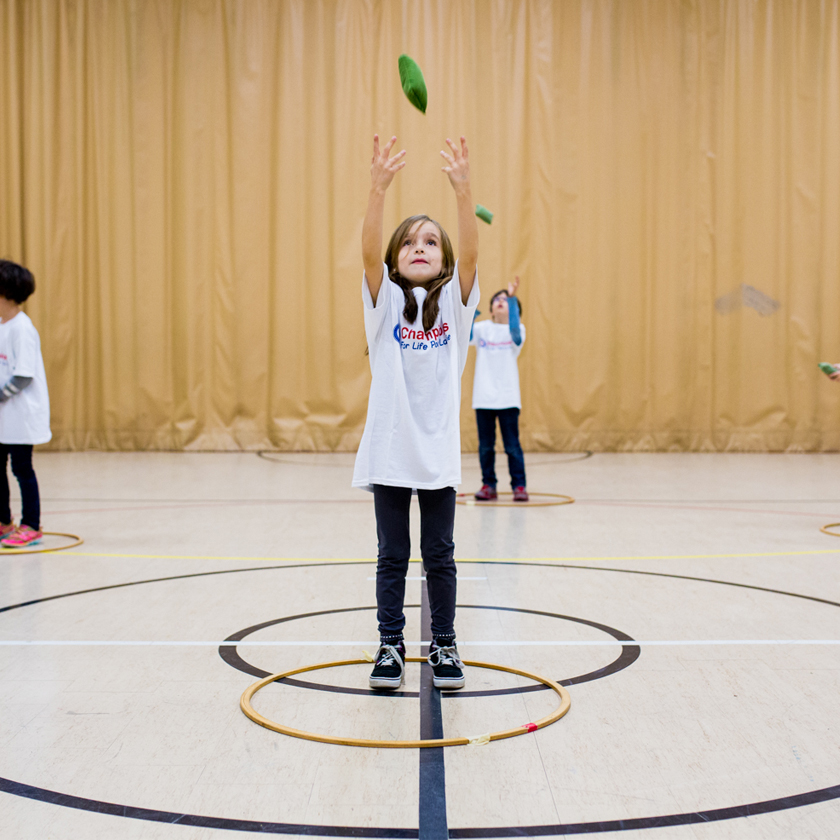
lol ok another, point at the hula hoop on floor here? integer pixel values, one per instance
(470, 501)
(825, 530)
(45, 549)
(248, 710)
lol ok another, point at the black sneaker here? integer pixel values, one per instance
(389, 670)
(447, 666)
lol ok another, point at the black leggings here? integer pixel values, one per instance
(437, 548)
(22, 468)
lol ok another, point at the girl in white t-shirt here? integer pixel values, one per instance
(24, 405)
(418, 309)
(496, 396)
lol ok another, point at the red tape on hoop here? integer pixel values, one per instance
(531, 727)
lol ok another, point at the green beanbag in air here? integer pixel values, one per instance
(483, 213)
(827, 369)
(411, 78)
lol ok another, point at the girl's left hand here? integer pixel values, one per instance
(512, 287)
(458, 168)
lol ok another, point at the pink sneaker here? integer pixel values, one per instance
(22, 537)
(520, 494)
(6, 530)
(487, 493)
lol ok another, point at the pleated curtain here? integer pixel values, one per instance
(187, 180)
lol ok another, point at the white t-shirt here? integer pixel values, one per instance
(412, 434)
(25, 417)
(496, 382)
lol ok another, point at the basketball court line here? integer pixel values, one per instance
(360, 643)
(240, 500)
(692, 507)
(742, 810)
(506, 561)
(687, 505)
(432, 816)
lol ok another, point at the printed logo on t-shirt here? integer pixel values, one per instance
(411, 339)
(495, 345)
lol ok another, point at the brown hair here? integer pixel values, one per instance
(434, 286)
(504, 292)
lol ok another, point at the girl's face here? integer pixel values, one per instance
(499, 308)
(420, 258)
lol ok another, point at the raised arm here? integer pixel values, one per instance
(382, 171)
(458, 170)
(472, 325)
(513, 312)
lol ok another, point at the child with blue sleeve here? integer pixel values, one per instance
(498, 342)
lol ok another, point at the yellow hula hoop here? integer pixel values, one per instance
(44, 550)
(825, 530)
(467, 499)
(248, 709)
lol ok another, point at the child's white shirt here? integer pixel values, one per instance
(496, 381)
(25, 417)
(412, 435)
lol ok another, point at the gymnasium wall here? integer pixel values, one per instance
(187, 180)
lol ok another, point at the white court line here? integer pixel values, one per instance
(335, 643)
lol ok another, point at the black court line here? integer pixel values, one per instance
(176, 577)
(278, 457)
(432, 807)
(798, 800)
(630, 652)
(113, 809)
(769, 806)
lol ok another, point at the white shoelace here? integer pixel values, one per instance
(445, 656)
(388, 655)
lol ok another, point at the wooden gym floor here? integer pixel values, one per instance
(690, 604)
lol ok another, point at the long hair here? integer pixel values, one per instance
(434, 286)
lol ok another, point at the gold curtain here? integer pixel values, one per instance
(187, 180)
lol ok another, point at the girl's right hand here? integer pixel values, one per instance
(382, 167)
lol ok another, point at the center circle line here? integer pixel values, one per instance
(334, 643)
(628, 655)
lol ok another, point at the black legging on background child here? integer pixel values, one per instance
(509, 426)
(21, 455)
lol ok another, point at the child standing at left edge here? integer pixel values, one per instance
(418, 306)
(24, 405)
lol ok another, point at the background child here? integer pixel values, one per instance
(496, 391)
(24, 405)
(418, 309)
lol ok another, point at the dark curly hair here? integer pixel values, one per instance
(16, 282)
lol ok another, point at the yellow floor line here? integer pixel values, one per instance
(459, 559)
